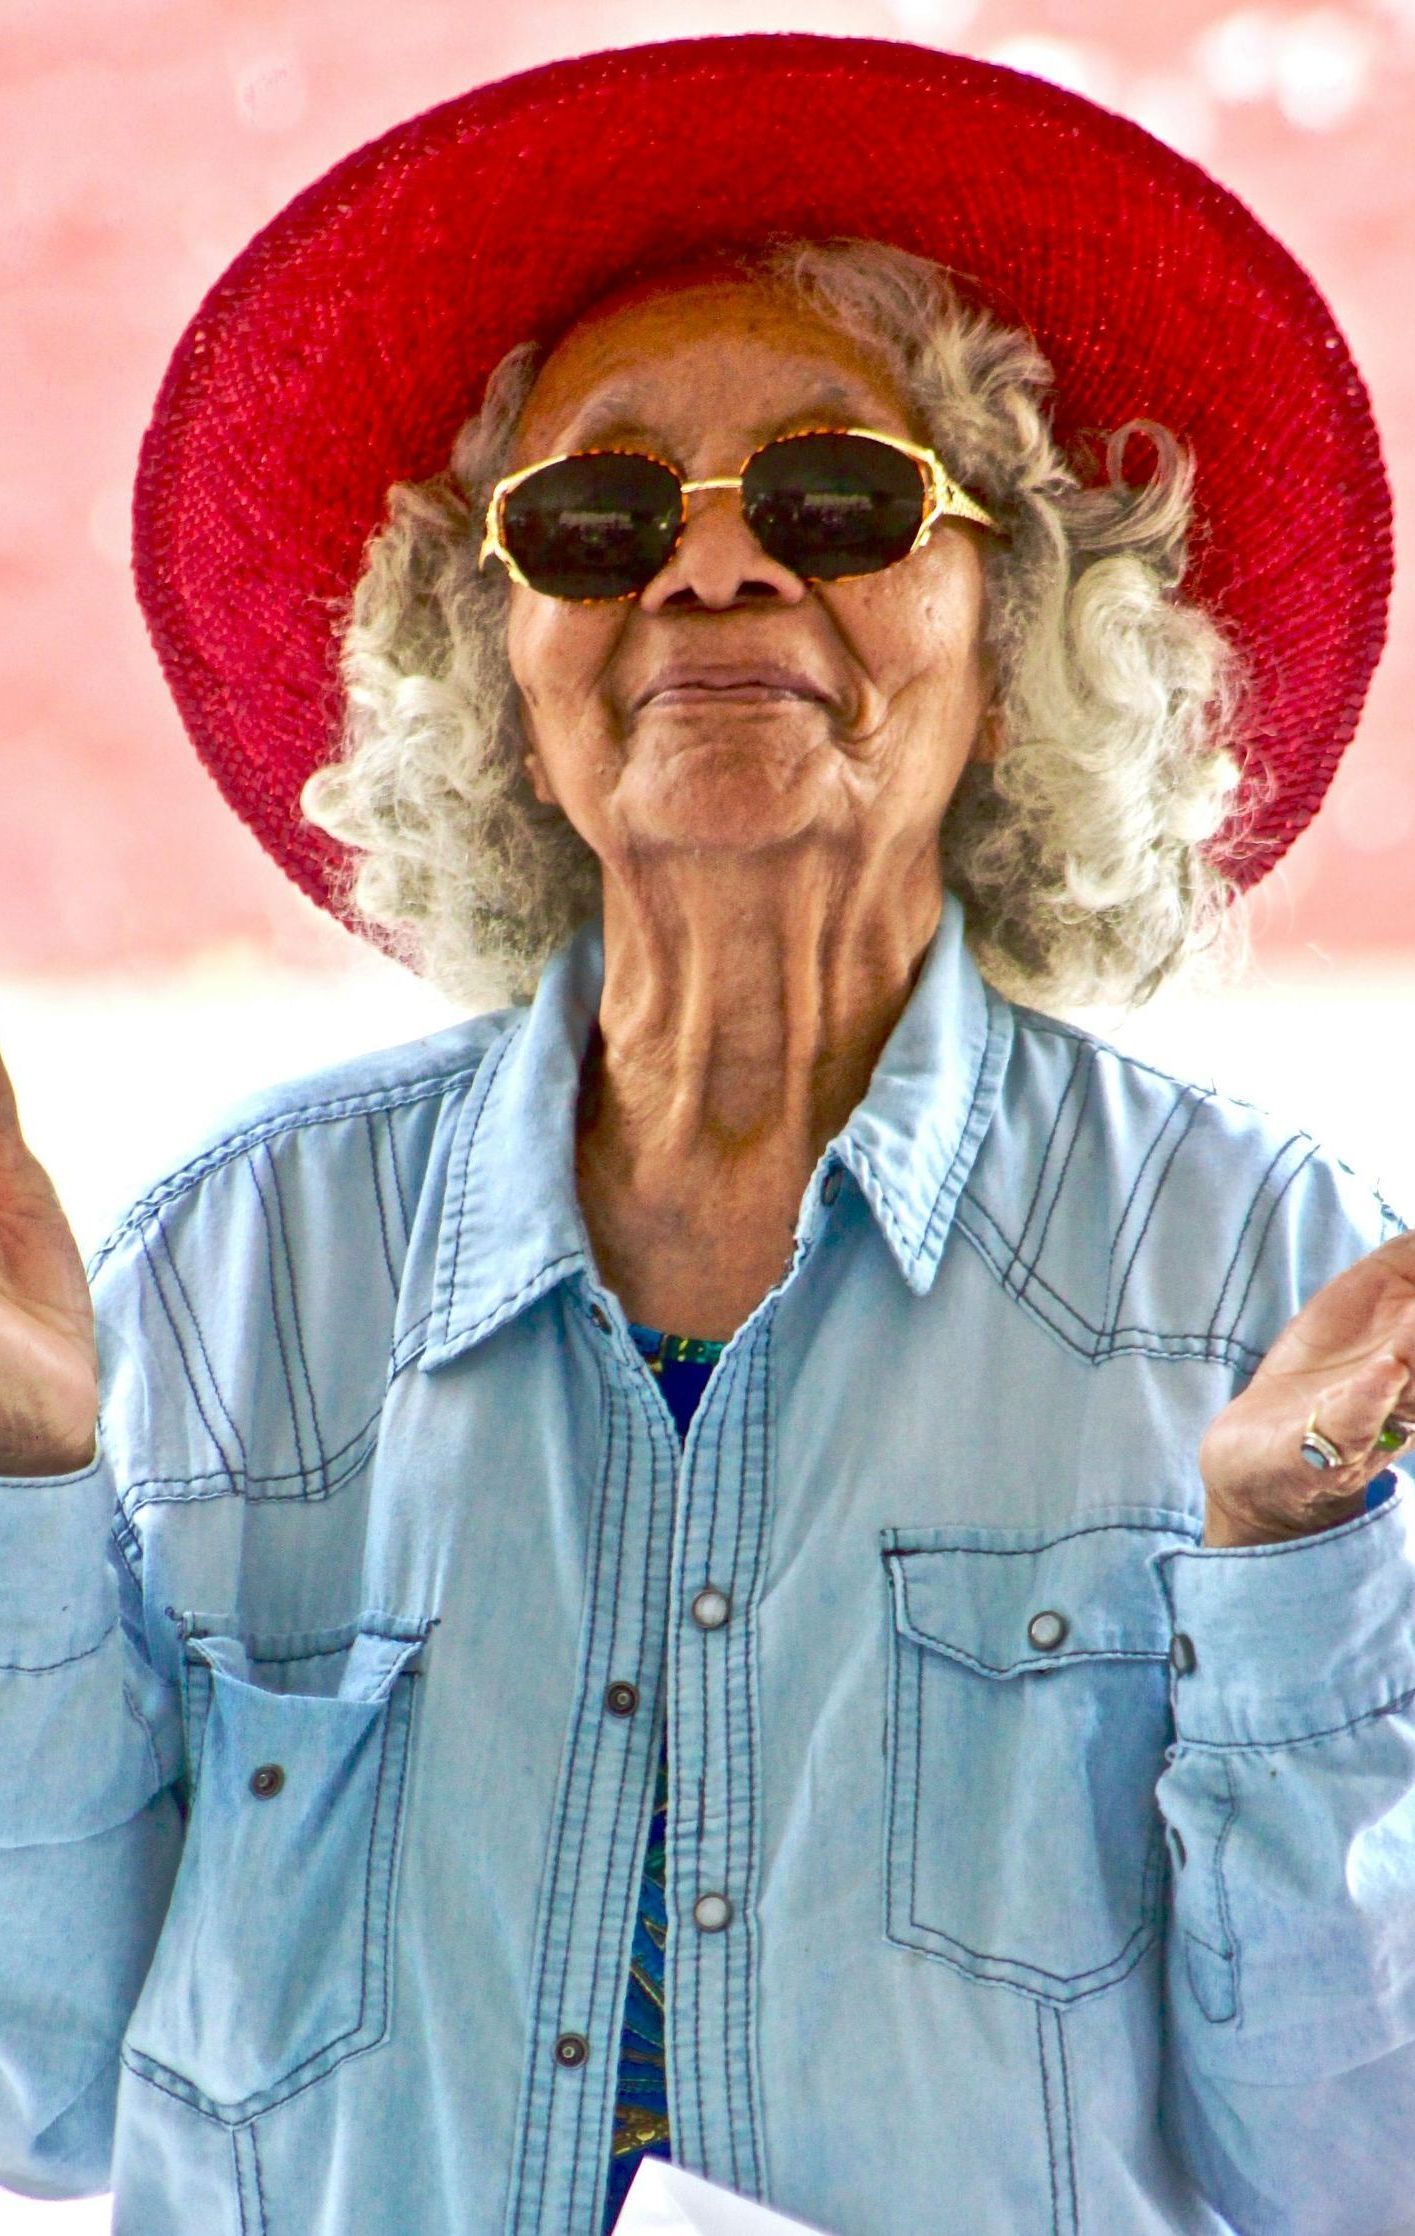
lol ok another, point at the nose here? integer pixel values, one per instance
(718, 562)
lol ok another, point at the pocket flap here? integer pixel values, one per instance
(1004, 1601)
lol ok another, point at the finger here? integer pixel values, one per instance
(9, 1108)
(1352, 1414)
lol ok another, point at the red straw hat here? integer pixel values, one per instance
(345, 346)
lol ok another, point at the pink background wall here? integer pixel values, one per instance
(143, 141)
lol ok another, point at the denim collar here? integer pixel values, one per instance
(511, 1225)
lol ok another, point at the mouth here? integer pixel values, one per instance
(758, 683)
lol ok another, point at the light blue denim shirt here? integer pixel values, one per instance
(1067, 1868)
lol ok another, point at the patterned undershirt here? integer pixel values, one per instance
(682, 1364)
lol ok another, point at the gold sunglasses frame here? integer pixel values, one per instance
(944, 499)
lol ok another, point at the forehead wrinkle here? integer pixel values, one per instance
(615, 418)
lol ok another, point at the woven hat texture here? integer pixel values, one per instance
(346, 344)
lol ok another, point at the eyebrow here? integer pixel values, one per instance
(614, 417)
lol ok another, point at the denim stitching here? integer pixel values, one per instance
(1069, 2118)
(493, 1071)
(66, 1661)
(263, 1130)
(259, 2184)
(551, 1889)
(372, 1139)
(1046, 2114)
(176, 1490)
(885, 1212)
(697, 1946)
(614, 1842)
(1108, 1343)
(984, 1077)
(505, 1305)
(1221, 1747)
(595, 1745)
(629, 1913)
(276, 1324)
(236, 2177)
(1197, 1102)
(391, 1133)
(284, 1235)
(1083, 1096)
(1018, 1552)
(194, 1324)
(1143, 1932)
(186, 2092)
(1262, 1242)
(186, 1364)
(1042, 1161)
(559, 1836)
(1259, 1194)
(742, 1383)
(762, 1346)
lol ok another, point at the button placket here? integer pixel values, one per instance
(713, 1861)
(596, 1810)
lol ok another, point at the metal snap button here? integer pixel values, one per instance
(1047, 1629)
(711, 1912)
(267, 1780)
(1181, 1653)
(571, 2049)
(830, 1186)
(621, 1699)
(711, 1608)
(600, 1318)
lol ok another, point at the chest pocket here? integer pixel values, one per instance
(274, 1960)
(1027, 1721)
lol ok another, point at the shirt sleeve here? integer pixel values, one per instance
(90, 1826)
(1288, 1800)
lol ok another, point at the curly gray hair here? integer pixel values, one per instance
(1078, 854)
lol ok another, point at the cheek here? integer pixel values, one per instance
(558, 653)
(926, 634)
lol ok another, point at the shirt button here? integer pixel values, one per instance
(621, 1699)
(830, 1186)
(1047, 1630)
(1181, 1653)
(571, 2049)
(267, 1780)
(711, 1912)
(600, 1318)
(711, 1608)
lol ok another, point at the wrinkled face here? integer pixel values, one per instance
(733, 706)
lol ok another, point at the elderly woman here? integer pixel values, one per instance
(771, 1558)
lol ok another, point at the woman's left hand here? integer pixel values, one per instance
(1344, 1366)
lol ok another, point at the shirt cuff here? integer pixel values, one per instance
(56, 1590)
(1278, 1643)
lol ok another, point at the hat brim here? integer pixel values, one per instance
(344, 347)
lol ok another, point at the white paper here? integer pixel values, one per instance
(666, 2200)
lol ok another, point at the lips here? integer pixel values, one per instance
(743, 679)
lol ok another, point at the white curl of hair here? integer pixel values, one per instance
(1079, 853)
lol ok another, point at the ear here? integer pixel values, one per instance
(538, 779)
(991, 738)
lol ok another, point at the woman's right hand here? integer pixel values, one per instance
(48, 1352)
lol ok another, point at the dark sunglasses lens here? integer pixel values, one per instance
(594, 527)
(828, 505)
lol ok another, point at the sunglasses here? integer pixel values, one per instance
(830, 504)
